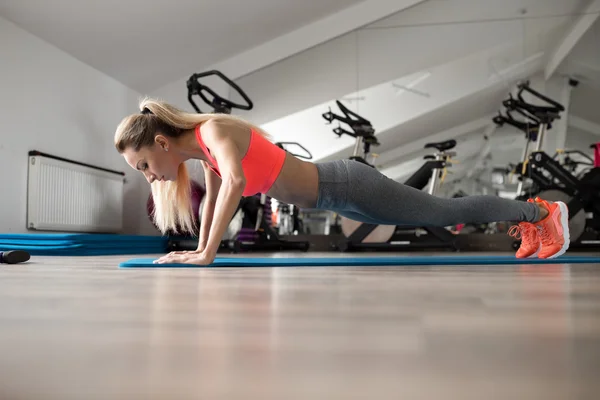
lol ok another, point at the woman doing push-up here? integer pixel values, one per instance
(239, 160)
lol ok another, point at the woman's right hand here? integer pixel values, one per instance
(200, 249)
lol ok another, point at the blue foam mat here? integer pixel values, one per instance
(83, 244)
(361, 261)
(81, 237)
(83, 251)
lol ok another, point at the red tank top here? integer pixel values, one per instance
(261, 164)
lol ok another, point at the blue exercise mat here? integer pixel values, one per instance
(361, 261)
(23, 242)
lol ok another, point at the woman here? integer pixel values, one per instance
(239, 160)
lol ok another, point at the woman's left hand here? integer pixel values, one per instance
(199, 258)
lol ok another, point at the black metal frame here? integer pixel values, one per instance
(34, 153)
(219, 104)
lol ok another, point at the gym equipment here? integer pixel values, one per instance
(364, 261)
(288, 215)
(71, 244)
(367, 237)
(256, 232)
(197, 193)
(571, 164)
(219, 104)
(549, 179)
(14, 257)
(362, 131)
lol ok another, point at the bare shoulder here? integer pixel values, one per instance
(221, 131)
(211, 127)
(222, 128)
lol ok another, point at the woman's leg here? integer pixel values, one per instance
(358, 189)
(364, 194)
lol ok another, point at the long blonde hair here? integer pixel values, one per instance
(172, 199)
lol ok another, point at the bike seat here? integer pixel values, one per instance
(442, 146)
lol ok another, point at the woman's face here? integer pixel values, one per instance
(156, 162)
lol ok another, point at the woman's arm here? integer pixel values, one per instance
(228, 198)
(232, 186)
(212, 183)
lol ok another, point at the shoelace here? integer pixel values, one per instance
(544, 235)
(518, 232)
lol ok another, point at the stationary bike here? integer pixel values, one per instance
(360, 236)
(257, 231)
(251, 224)
(288, 220)
(362, 131)
(547, 177)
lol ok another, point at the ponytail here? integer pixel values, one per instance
(172, 199)
(172, 204)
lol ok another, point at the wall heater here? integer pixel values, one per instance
(69, 196)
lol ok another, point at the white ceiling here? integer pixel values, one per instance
(471, 71)
(147, 44)
(490, 44)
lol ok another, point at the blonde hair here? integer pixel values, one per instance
(172, 199)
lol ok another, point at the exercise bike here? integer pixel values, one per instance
(251, 228)
(257, 231)
(361, 129)
(288, 220)
(358, 236)
(547, 177)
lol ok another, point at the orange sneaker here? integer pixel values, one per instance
(530, 240)
(554, 229)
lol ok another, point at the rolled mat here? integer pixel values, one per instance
(76, 244)
(362, 261)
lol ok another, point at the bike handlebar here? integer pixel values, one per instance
(540, 113)
(281, 145)
(361, 126)
(219, 104)
(525, 126)
(524, 86)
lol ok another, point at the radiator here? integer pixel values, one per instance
(69, 196)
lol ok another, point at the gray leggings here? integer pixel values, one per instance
(359, 192)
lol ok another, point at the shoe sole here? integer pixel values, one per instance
(536, 252)
(14, 257)
(564, 221)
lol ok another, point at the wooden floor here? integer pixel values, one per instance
(80, 328)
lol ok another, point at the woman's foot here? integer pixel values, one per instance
(527, 232)
(543, 211)
(553, 228)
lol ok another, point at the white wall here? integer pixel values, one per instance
(53, 103)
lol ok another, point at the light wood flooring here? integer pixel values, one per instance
(81, 328)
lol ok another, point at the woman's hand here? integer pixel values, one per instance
(187, 257)
(200, 249)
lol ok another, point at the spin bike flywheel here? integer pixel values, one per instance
(381, 234)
